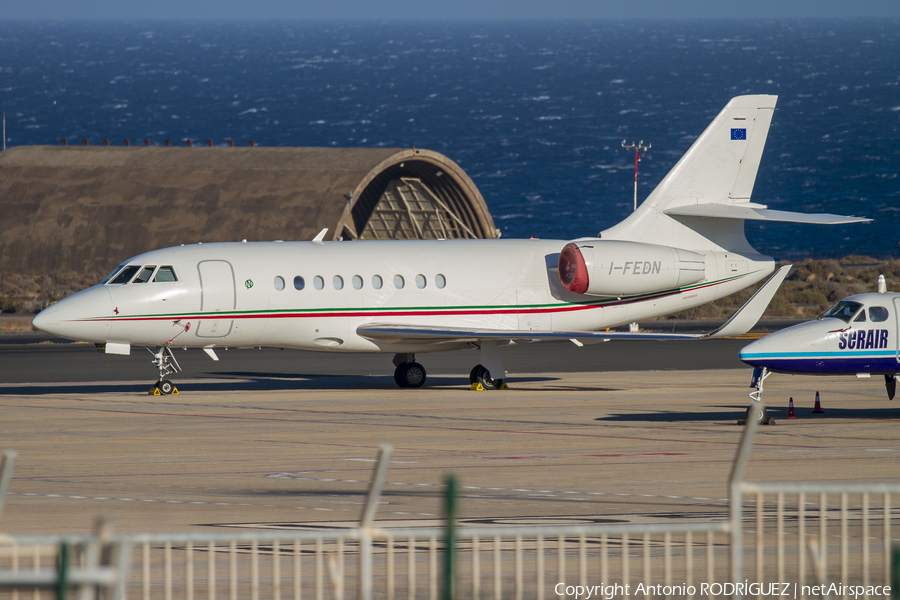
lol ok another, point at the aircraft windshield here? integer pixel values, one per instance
(113, 272)
(126, 274)
(843, 310)
(144, 277)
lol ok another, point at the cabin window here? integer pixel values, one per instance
(440, 281)
(338, 282)
(421, 282)
(114, 271)
(144, 275)
(318, 282)
(299, 284)
(357, 282)
(279, 282)
(126, 274)
(377, 282)
(878, 314)
(843, 310)
(165, 274)
(399, 282)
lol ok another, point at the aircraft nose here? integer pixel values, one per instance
(82, 316)
(752, 352)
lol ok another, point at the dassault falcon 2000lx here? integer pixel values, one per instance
(860, 335)
(682, 247)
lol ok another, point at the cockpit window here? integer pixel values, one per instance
(861, 317)
(843, 310)
(126, 274)
(165, 274)
(144, 276)
(878, 314)
(113, 272)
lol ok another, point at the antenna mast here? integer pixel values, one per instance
(639, 147)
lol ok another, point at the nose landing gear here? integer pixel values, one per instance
(167, 365)
(756, 381)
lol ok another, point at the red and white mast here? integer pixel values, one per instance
(638, 148)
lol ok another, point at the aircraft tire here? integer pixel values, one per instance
(412, 375)
(483, 376)
(398, 379)
(473, 374)
(165, 387)
(762, 416)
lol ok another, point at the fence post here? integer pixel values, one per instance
(895, 572)
(6, 469)
(94, 553)
(450, 539)
(366, 519)
(123, 570)
(735, 478)
(62, 581)
(374, 495)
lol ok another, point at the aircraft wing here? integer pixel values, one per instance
(431, 335)
(746, 317)
(741, 322)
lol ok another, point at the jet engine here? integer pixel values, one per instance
(613, 268)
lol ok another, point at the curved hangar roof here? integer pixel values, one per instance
(87, 208)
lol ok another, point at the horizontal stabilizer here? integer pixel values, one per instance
(758, 212)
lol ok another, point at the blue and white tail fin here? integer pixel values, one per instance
(702, 203)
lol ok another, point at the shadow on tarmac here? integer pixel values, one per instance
(737, 412)
(266, 382)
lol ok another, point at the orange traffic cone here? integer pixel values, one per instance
(818, 408)
(791, 414)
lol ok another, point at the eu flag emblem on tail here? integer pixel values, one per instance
(739, 134)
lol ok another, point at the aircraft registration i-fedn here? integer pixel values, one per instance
(860, 335)
(684, 246)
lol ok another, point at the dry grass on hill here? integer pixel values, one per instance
(29, 294)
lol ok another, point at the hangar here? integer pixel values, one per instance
(86, 208)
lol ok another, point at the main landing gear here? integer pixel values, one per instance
(167, 365)
(408, 373)
(890, 384)
(481, 375)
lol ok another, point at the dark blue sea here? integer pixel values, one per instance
(535, 112)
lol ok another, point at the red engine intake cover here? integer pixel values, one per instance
(573, 272)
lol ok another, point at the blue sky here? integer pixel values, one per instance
(446, 9)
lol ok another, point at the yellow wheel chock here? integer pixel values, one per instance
(480, 388)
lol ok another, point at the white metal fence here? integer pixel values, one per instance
(406, 564)
(790, 536)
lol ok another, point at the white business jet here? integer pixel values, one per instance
(683, 247)
(860, 335)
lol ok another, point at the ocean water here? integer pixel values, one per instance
(534, 112)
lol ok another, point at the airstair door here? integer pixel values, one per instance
(217, 294)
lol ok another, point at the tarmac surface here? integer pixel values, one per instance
(266, 447)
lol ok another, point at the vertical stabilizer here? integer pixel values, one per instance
(719, 169)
